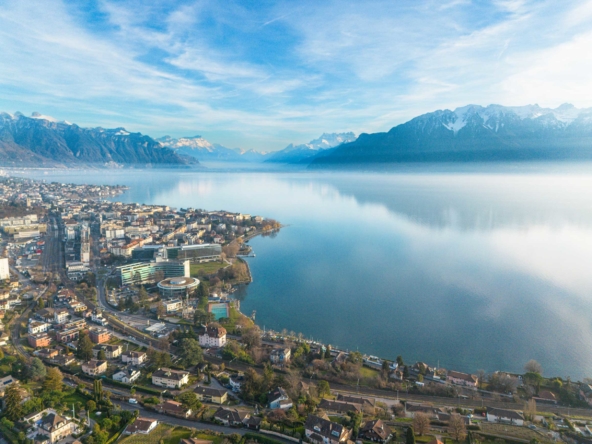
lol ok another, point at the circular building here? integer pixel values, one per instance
(177, 286)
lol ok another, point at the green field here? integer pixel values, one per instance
(206, 268)
(169, 434)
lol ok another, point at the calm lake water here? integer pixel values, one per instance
(474, 270)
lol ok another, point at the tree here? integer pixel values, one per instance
(189, 400)
(40, 303)
(400, 361)
(190, 352)
(385, 369)
(53, 379)
(480, 377)
(533, 366)
(91, 406)
(251, 337)
(355, 357)
(457, 428)
(98, 390)
(160, 310)
(36, 370)
(323, 388)
(85, 346)
(421, 423)
(276, 415)
(328, 352)
(101, 355)
(410, 436)
(13, 400)
(530, 409)
(533, 379)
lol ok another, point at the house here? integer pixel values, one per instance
(505, 416)
(231, 417)
(46, 315)
(213, 336)
(320, 430)
(546, 397)
(460, 378)
(127, 375)
(46, 353)
(141, 425)
(51, 425)
(340, 407)
(368, 404)
(411, 409)
(37, 327)
(5, 382)
(280, 356)
(375, 431)
(208, 394)
(174, 408)
(78, 306)
(99, 335)
(253, 423)
(165, 377)
(94, 367)
(236, 382)
(134, 358)
(111, 351)
(279, 399)
(61, 315)
(39, 340)
(63, 360)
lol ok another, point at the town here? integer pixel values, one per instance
(122, 319)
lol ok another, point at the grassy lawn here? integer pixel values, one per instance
(424, 438)
(72, 398)
(215, 439)
(522, 433)
(367, 372)
(169, 434)
(206, 268)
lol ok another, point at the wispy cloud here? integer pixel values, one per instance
(264, 75)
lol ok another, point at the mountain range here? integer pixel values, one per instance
(474, 134)
(201, 149)
(42, 141)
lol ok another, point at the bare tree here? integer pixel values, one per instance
(533, 366)
(457, 428)
(421, 423)
(480, 377)
(530, 409)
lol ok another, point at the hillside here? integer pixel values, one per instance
(475, 134)
(39, 141)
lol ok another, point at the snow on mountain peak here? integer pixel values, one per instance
(565, 114)
(39, 116)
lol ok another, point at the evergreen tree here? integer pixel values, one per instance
(101, 355)
(53, 380)
(36, 370)
(410, 437)
(85, 346)
(98, 390)
(12, 400)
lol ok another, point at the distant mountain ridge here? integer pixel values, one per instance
(306, 151)
(41, 140)
(203, 150)
(475, 133)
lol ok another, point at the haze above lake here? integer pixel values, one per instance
(486, 268)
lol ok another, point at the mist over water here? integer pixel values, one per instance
(475, 269)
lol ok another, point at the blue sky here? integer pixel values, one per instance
(261, 74)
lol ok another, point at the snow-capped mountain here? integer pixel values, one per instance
(306, 151)
(41, 140)
(476, 133)
(199, 148)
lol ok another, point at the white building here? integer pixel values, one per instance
(213, 337)
(134, 358)
(4, 269)
(165, 377)
(37, 327)
(505, 416)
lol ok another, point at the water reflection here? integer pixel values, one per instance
(476, 270)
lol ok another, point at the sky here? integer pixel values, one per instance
(262, 74)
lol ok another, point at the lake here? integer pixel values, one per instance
(475, 269)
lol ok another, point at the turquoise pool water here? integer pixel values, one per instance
(220, 311)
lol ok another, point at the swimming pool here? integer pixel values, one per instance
(219, 309)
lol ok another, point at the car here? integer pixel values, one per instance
(133, 401)
(532, 427)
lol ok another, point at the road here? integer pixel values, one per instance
(188, 423)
